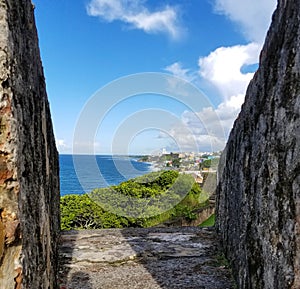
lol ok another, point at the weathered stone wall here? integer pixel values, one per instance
(258, 203)
(202, 215)
(29, 183)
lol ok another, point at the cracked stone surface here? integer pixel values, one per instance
(143, 258)
(29, 168)
(258, 195)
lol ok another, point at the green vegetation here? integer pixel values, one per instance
(81, 212)
(209, 222)
(219, 261)
(141, 202)
(144, 159)
(176, 163)
(210, 163)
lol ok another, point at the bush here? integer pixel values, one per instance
(79, 212)
(149, 195)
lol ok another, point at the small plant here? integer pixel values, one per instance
(222, 261)
(210, 222)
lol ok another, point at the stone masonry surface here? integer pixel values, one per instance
(169, 258)
(29, 182)
(258, 197)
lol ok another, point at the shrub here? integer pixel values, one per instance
(150, 195)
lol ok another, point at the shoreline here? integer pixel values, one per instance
(106, 176)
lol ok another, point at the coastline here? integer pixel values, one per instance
(108, 174)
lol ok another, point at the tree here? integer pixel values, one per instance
(79, 212)
(154, 192)
(176, 163)
(206, 164)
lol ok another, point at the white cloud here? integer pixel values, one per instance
(138, 16)
(177, 70)
(228, 111)
(175, 84)
(198, 131)
(253, 16)
(62, 146)
(222, 68)
(197, 140)
(208, 128)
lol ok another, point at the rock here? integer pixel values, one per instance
(153, 258)
(29, 182)
(258, 203)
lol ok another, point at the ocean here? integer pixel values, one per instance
(96, 172)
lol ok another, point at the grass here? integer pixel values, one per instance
(209, 222)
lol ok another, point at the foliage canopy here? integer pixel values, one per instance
(140, 202)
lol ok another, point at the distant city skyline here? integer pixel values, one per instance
(86, 45)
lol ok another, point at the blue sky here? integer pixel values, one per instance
(87, 44)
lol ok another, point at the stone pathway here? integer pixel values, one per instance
(179, 258)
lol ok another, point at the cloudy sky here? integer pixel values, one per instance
(89, 45)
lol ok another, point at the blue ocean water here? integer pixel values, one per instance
(83, 173)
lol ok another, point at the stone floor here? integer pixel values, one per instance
(181, 258)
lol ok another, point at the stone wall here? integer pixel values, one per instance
(258, 203)
(202, 215)
(29, 182)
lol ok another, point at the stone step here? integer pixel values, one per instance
(177, 257)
